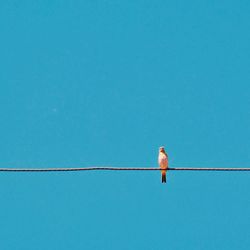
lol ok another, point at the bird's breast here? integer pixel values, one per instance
(163, 160)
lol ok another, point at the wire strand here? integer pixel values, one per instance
(117, 169)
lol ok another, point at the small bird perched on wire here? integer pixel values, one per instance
(163, 163)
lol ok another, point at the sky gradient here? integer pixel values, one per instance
(105, 83)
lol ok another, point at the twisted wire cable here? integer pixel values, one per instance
(118, 169)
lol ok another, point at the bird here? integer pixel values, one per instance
(163, 163)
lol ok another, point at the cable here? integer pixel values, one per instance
(116, 169)
(210, 169)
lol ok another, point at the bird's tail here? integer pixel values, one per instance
(163, 177)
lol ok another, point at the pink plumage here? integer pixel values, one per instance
(163, 163)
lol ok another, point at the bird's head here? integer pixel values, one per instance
(161, 149)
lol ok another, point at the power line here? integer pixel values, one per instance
(116, 169)
(210, 169)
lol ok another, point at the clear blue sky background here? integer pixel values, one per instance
(105, 83)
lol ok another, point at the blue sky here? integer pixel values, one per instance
(105, 83)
